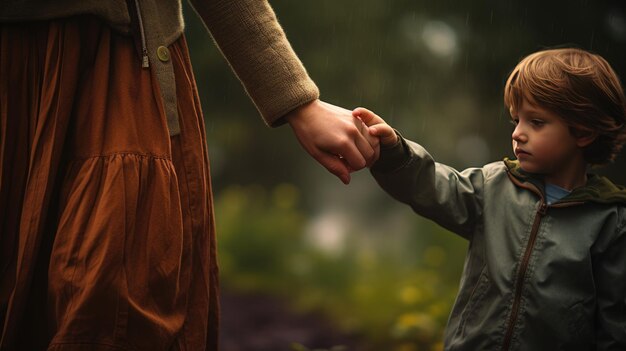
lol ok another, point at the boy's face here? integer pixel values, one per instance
(543, 143)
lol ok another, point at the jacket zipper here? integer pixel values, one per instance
(144, 49)
(521, 276)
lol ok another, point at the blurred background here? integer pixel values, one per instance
(308, 263)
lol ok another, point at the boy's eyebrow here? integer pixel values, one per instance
(530, 109)
(530, 112)
(536, 115)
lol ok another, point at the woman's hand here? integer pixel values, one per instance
(334, 137)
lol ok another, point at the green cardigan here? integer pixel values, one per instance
(246, 31)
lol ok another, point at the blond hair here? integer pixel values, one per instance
(581, 88)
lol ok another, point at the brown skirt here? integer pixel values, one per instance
(107, 238)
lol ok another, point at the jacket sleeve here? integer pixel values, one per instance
(450, 198)
(254, 44)
(610, 278)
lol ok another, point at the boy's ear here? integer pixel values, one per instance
(584, 137)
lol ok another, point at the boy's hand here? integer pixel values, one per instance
(377, 126)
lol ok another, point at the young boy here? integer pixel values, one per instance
(546, 264)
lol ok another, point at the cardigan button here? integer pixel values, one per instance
(163, 53)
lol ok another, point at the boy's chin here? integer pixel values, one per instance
(530, 168)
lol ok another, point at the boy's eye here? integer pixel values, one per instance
(537, 122)
(514, 121)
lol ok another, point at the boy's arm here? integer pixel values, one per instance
(408, 173)
(611, 295)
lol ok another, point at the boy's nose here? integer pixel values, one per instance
(518, 135)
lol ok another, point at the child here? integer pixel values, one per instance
(546, 264)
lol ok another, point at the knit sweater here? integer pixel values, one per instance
(246, 31)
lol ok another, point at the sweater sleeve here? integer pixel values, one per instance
(451, 198)
(254, 44)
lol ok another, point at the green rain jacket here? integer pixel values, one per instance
(536, 276)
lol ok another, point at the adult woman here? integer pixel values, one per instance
(108, 239)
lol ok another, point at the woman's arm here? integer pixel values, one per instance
(254, 44)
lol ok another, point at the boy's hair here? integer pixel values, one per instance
(581, 88)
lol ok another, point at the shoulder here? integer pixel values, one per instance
(495, 169)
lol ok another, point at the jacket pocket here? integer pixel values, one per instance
(475, 300)
(580, 325)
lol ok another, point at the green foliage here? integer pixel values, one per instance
(394, 290)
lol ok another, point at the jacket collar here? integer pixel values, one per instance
(598, 189)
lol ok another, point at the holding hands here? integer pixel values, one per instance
(377, 126)
(340, 140)
(333, 136)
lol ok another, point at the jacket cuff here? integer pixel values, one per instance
(392, 157)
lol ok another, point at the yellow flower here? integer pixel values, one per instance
(408, 320)
(410, 295)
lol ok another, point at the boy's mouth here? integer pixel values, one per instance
(518, 151)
